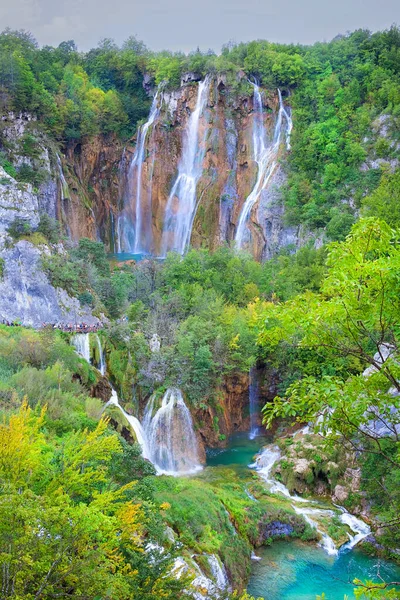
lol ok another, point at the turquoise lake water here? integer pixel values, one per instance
(293, 570)
(125, 256)
(239, 453)
(298, 571)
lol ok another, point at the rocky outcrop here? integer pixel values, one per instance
(17, 200)
(216, 423)
(26, 294)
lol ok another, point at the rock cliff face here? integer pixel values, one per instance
(95, 187)
(89, 198)
(215, 424)
(228, 170)
(26, 294)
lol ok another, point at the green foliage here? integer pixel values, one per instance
(19, 227)
(384, 202)
(347, 328)
(50, 228)
(64, 471)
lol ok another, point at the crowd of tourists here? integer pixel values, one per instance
(75, 327)
(68, 327)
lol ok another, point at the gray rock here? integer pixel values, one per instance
(190, 77)
(301, 466)
(340, 494)
(16, 200)
(27, 295)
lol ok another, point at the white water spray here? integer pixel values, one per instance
(265, 155)
(358, 527)
(218, 572)
(170, 435)
(81, 342)
(181, 206)
(133, 422)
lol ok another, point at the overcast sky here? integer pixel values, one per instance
(186, 24)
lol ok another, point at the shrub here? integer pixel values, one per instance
(28, 174)
(19, 227)
(50, 228)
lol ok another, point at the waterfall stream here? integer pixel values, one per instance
(170, 435)
(102, 362)
(181, 206)
(253, 404)
(65, 193)
(134, 233)
(264, 464)
(218, 572)
(81, 342)
(166, 435)
(133, 422)
(265, 155)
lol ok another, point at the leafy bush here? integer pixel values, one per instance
(50, 228)
(19, 227)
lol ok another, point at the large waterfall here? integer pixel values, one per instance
(166, 435)
(170, 435)
(182, 202)
(265, 155)
(134, 223)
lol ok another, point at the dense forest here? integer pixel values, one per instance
(82, 513)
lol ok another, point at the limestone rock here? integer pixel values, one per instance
(155, 343)
(353, 478)
(27, 295)
(340, 494)
(301, 466)
(16, 200)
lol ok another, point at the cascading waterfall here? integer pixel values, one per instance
(181, 206)
(134, 423)
(170, 435)
(134, 235)
(253, 404)
(264, 464)
(327, 542)
(65, 194)
(81, 342)
(167, 436)
(218, 572)
(266, 157)
(361, 529)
